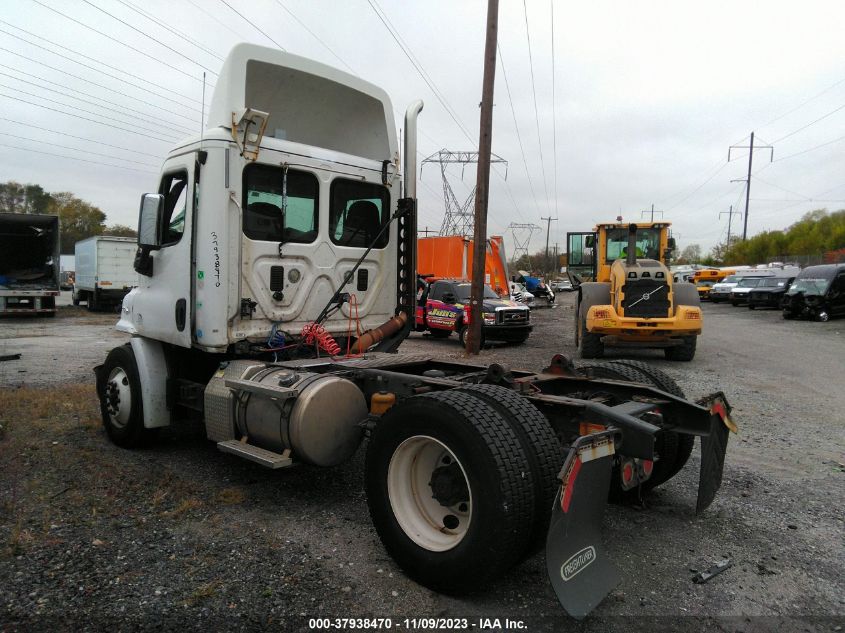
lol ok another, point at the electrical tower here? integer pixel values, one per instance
(459, 218)
(521, 238)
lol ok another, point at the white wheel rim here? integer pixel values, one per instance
(424, 519)
(118, 397)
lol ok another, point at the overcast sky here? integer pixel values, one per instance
(648, 96)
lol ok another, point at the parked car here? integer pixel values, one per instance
(739, 293)
(818, 292)
(769, 293)
(722, 291)
(440, 310)
(562, 285)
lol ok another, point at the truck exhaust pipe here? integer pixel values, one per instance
(411, 115)
(631, 258)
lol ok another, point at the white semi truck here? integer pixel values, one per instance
(29, 264)
(104, 271)
(277, 272)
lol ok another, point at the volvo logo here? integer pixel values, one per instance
(577, 562)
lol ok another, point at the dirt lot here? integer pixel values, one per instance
(179, 535)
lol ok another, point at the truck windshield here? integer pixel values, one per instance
(730, 279)
(749, 282)
(464, 290)
(809, 286)
(648, 244)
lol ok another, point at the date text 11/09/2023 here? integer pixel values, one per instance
(416, 624)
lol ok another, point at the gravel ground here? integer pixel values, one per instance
(179, 535)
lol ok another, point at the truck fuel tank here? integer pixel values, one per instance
(315, 416)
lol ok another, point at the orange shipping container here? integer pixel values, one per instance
(451, 257)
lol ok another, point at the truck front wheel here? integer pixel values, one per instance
(450, 490)
(119, 390)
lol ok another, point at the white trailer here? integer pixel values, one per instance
(29, 264)
(104, 271)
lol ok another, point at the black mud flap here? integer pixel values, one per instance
(579, 569)
(713, 448)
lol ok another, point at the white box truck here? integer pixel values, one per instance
(104, 271)
(29, 264)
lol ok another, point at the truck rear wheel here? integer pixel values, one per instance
(450, 490)
(119, 390)
(542, 448)
(683, 352)
(591, 345)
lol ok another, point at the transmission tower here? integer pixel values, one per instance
(459, 217)
(522, 238)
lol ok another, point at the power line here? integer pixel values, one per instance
(803, 103)
(148, 36)
(114, 39)
(821, 118)
(697, 189)
(81, 138)
(102, 72)
(836, 140)
(220, 22)
(66, 105)
(516, 126)
(38, 105)
(314, 35)
(172, 30)
(83, 160)
(76, 149)
(418, 67)
(94, 103)
(253, 25)
(534, 92)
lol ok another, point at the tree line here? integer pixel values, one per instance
(78, 219)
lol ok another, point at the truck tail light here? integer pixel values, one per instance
(693, 315)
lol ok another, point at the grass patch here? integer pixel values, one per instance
(186, 505)
(231, 496)
(203, 592)
(49, 408)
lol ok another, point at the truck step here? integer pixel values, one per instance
(256, 454)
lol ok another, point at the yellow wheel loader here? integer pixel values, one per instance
(626, 296)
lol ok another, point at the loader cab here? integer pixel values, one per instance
(591, 254)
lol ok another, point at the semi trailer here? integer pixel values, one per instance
(277, 280)
(29, 264)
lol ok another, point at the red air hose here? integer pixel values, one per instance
(314, 333)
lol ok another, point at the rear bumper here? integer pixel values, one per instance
(605, 320)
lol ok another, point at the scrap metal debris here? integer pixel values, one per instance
(715, 570)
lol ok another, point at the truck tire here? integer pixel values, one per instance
(683, 352)
(119, 391)
(683, 441)
(478, 521)
(462, 336)
(542, 448)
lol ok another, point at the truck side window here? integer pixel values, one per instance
(264, 194)
(438, 290)
(174, 188)
(358, 212)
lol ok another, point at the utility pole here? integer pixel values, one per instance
(730, 217)
(652, 213)
(750, 147)
(548, 229)
(426, 231)
(485, 143)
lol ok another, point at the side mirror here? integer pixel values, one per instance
(149, 221)
(671, 243)
(590, 241)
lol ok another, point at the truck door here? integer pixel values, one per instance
(162, 309)
(581, 255)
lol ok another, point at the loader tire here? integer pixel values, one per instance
(683, 352)
(542, 448)
(450, 490)
(591, 345)
(683, 441)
